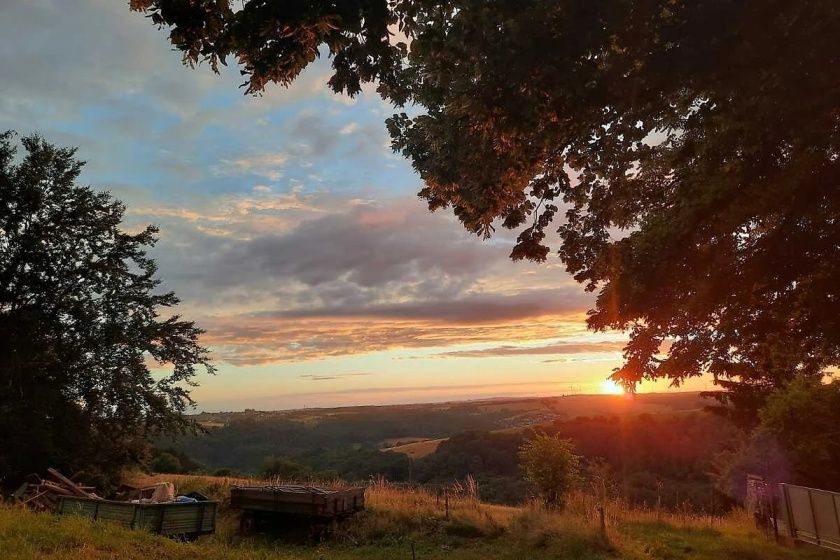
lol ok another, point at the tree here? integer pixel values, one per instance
(81, 325)
(170, 460)
(282, 468)
(804, 417)
(757, 453)
(550, 463)
(693, 149)
(797, 439)
(166, 462)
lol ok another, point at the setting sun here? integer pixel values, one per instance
(611, 388)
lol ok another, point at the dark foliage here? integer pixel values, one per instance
(170, 460)
(280, 467)
(80, 325)
(651, 458)
(797, 440)
(347, 443)
(666, 457)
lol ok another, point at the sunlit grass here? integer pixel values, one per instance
(398, 518)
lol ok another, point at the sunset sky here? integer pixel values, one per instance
(289, 229)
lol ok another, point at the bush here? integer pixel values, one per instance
(280, 467)
(166, 462)
(552, 466)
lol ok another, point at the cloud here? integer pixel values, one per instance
(401, 253)
(105, 53)
(611, 347)
(248, 340)
(330, 377)
(267, 165)
(349, 129)
(318, 256)
(290, 276)
(467, 309)
(236, 216)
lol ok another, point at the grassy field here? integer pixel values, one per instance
(417, 449)
(398, 518)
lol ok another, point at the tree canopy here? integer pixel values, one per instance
(690, 151)
(81, 325)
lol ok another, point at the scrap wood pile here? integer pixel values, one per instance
(43, 494)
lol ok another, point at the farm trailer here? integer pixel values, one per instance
(317, 509)
(173, 519)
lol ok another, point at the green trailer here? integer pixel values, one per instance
(173, 519)
(317, 509)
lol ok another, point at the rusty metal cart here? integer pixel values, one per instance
(317, 509)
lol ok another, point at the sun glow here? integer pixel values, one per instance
(611, 388)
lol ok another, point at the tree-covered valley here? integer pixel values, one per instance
(648, 448)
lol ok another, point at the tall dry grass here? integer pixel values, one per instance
(398, 510)
(400, 518)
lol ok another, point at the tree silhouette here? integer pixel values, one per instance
(81, 325)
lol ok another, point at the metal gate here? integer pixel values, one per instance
(809, 515)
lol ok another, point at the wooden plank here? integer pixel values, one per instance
(35, 497)
(68, 483)
(55, 488)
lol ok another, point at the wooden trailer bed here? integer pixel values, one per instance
(319, 508)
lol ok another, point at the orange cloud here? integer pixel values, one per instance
(254, 340)
(570, 347)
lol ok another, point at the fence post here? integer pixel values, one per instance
(814, 517)
(446, 502)
(789, 510)
(659, 501)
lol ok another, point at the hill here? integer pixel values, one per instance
(397, 518)
(659, 446)
(341, 439)
(520, 414)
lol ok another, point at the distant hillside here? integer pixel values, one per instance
(498, 412)
(522, 413)
(240, 441)
(662, 438)
(396, 521)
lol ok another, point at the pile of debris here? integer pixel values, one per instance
(162, 492)
(43, 495)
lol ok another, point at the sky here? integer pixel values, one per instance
(289, 229)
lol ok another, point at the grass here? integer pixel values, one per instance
(417, 449)
(396, 519)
